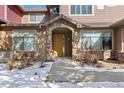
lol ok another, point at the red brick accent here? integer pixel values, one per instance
(121, 56)
(87, 54)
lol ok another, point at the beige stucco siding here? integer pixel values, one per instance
(25, 19)
(118, 39)
(119, 43)
(108, 14)
(122, 31)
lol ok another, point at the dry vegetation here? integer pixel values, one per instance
(20, 60)
(112, 64)
(92, 59)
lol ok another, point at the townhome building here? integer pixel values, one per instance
(74, 31)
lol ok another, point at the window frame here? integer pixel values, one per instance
(80, 11)
(29, 17)
(13, 42)
(100, 37)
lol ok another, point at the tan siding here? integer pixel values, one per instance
(108, 14)
(25, 19)
(123, 39)
(117, 39)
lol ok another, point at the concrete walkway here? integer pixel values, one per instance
(63, 71)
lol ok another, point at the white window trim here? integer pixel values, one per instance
(69, 7)
(98, 31)
(29, 21)
(23, 30)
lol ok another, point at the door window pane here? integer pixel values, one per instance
(33, 17)
(89, 9)
(85, 44)
(78, 9)
(28, 44)
(36, 17)
(107, 43)
(18, 43)
(72, 9)
(96, 43)
(81, 9)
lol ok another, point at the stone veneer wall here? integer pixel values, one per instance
(5, 44)
(6, 49)
(62, 24)
(5, 40)
(40, 45)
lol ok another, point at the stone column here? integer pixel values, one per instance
(48, 43)
(75, 44)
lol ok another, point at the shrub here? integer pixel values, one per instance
(89, 60)
(9, 66)
(20, 61)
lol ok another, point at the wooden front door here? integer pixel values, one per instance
(68, 45)
(58, 44)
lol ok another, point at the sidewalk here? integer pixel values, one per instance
(63, 71)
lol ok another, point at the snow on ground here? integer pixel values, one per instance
(78, 67)
(29, 77)
(87, 85)
(34, 77)
(103, 85)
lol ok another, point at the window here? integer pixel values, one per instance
(35, 17)
(55, 10)
(81, 10)
(24, 41)
(96, 40)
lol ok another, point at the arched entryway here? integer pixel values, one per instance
(62, 42)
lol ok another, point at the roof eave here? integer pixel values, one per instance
(118, 23)
(66, 18)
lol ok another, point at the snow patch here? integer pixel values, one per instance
(87, 85)
(102, 84)
(25, 77)
(78, 67)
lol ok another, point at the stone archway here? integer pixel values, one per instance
(60, 24)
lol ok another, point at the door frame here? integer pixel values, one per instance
(64, 46)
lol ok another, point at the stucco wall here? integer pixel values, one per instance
(119, 43)
(1, 11)
(117, 39)
(14, 15)
(25, 18)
